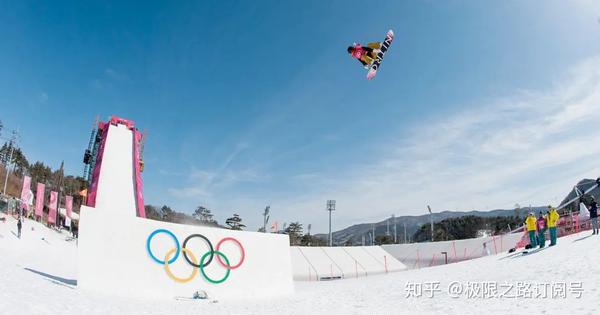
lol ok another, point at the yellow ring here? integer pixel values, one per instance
(181, 280)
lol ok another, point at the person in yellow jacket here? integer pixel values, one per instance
(530, 223)
(552, 222)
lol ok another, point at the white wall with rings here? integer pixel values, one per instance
(114, 259)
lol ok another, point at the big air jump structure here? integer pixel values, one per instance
(123, 253)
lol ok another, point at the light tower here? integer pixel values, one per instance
(330, 208)
(395, 229)
(430, 219)
(387, 232)
(266, 218)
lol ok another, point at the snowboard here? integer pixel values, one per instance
(377, 62)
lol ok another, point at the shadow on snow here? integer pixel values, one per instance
(55, 279)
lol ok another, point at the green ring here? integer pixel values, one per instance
(202, 267)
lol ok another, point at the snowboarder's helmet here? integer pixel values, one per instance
(350, 49)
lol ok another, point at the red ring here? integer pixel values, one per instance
(241, 248)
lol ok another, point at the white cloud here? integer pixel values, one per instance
(188, 192)
(208, 182)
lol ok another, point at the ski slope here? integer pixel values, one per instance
(38, 275)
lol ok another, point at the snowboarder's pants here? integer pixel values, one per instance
(532, 241)
(594, 223)
(542, 238)
(552, 236)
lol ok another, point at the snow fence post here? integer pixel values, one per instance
(495, 248)
(385, 263)
(454, 247)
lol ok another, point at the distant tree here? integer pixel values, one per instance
(317, 241)
(40, 173)
(153, 213)
(517, 210)
(349, 242)
(465, 227)
(167, 213)
(306, 240)
(72, 186)
(203, 214)
(384, 239)
(235, 222)
(18, 159)
(294, 230)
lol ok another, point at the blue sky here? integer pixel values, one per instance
(478, 105)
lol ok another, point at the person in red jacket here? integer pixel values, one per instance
(541, 228)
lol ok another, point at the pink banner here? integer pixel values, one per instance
(69, 205)
(52, 207)
(26, 195)
(39, 200)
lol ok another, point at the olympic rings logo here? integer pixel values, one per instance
(206, 259)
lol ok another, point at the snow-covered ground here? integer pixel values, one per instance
(38, 275)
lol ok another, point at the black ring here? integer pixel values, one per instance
(212, 252)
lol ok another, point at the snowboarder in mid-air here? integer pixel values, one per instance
(371, 56)
(365, 54)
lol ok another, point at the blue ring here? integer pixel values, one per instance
(162, 262)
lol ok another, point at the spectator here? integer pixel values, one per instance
(530, 222)
(594, 216)
(552, 221)
(19, 226)
(541, 228)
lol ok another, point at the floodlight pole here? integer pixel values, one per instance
(373, 234)
(430, 219)
(330, 208)
(387, 232)
(395, 230)
(266, 218)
